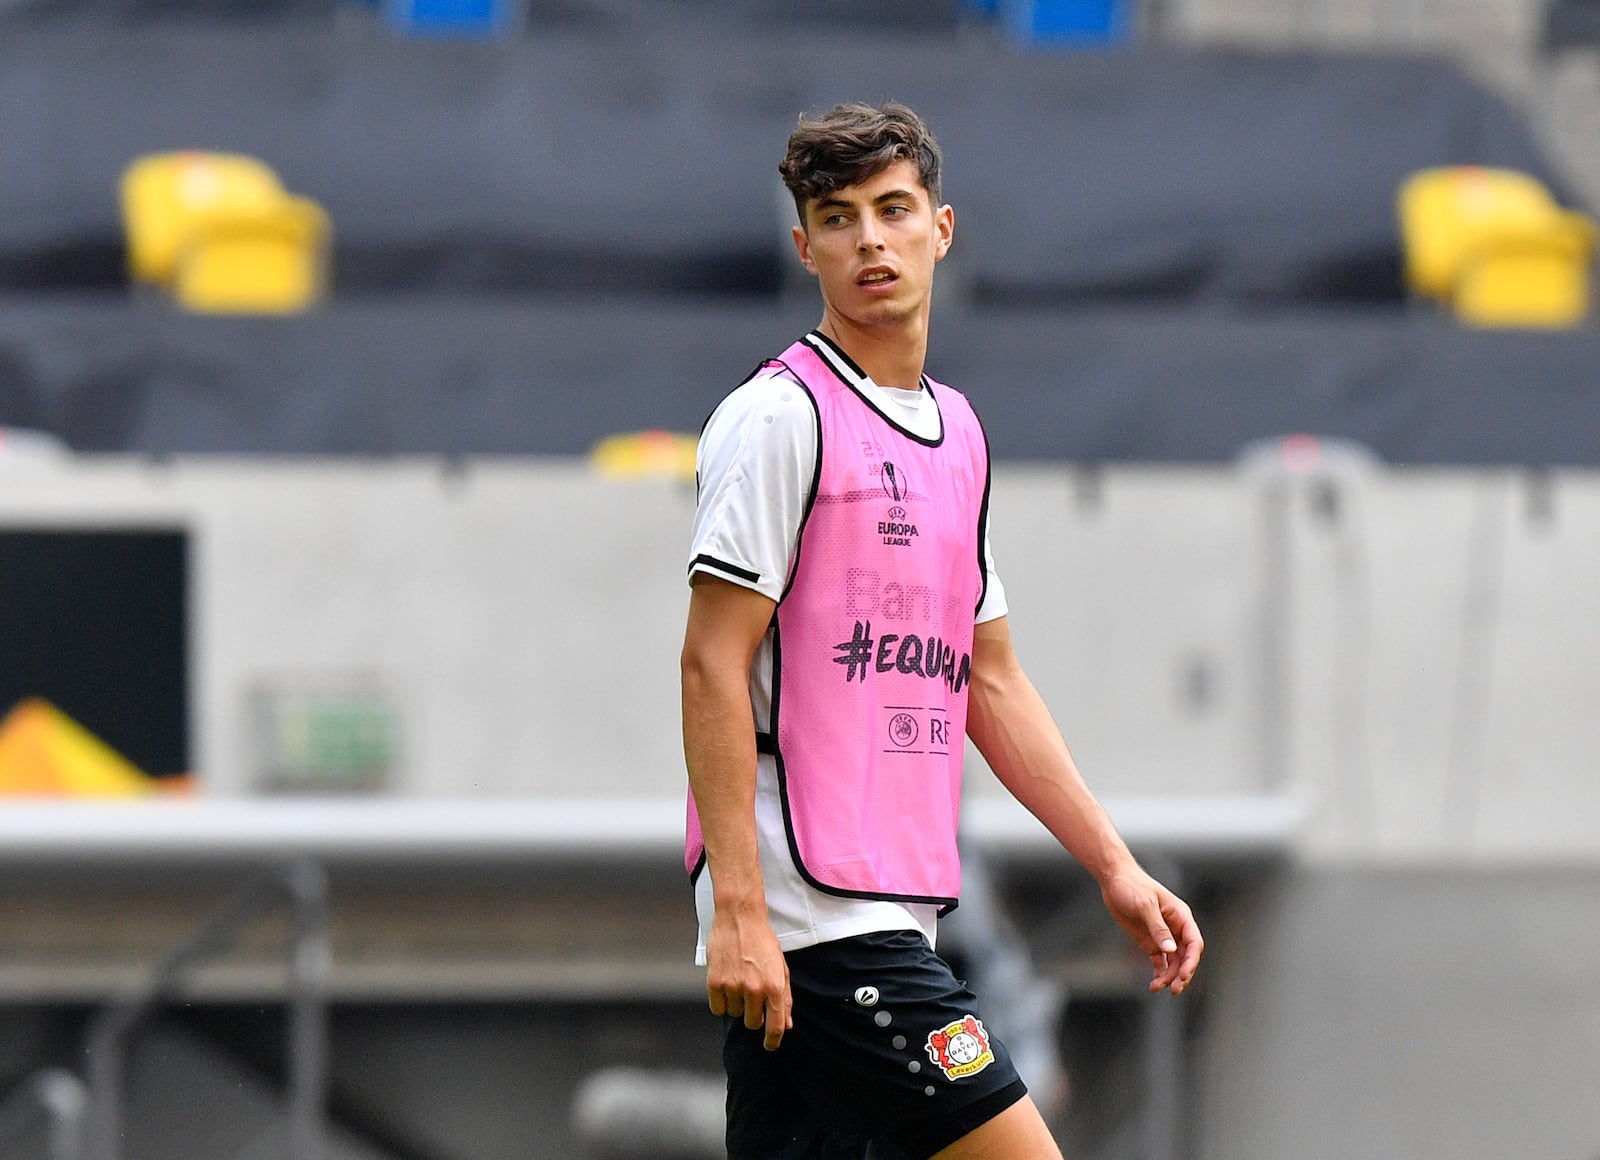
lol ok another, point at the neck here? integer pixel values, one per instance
(892, 355)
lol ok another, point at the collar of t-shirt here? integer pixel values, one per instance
(911, 410)
(915, 411)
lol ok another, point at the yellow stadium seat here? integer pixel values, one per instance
(1534, 282)
(164, 196)
(1495, 246)
(271, 262)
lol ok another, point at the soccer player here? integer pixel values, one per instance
(846, 631)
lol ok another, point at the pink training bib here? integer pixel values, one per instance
(873, 646)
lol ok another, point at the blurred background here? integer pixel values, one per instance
(351, 355)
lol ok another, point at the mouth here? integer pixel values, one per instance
(877, 278)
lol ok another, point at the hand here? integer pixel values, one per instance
(1160, 923)
(746, 975)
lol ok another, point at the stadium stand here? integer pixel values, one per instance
(486, 197)
(477, 167)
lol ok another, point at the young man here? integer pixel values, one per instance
(846, 630)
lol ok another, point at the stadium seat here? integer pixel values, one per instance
(258, 263)
(1495, 246)
(471, 19)
(165, 194)
(1068, 22)
(219, 231)
(1539, 282)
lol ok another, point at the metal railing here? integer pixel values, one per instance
(304, 884)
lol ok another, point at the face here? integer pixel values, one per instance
(873, 247)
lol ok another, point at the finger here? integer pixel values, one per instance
(1189, 962)
(780, 1014)
(778, 1021)
(1161, 948)
(717, 1000)
(1163, 969)
(1161, 939)
(1184, 963)
(755, 1014)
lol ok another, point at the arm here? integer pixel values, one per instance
(745, 970)
(1011, 726)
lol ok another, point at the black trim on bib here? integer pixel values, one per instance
(838, 351)
(983, 519)
(825, 347)
(805, 515)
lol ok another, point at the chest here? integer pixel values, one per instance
(881, 487)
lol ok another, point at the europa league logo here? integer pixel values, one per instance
(894, 484)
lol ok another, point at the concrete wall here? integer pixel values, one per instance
(523, 617)
(1412, 653)
(1404, 1012)
(1443, 665)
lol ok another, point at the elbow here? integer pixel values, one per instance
(693, 668)
(701, 670)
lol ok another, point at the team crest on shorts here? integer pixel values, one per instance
(960, 1049)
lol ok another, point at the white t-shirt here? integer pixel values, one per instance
(757, 458)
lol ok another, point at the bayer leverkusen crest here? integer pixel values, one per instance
(960, 1049)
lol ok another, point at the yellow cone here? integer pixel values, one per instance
(45, 753)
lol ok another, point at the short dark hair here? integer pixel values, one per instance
(852, 142)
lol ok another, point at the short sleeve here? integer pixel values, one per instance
(755, 464)
(994, 593)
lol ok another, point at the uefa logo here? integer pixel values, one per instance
(894, 483)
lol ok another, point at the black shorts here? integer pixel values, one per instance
(888, 1058)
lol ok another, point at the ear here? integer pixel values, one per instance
(802, 246)
(944, 227)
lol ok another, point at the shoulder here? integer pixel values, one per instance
(946, 394)
(772, 404)
(959, 412)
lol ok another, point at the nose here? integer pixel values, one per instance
(867, 238)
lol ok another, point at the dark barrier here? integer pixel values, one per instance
(465, 377)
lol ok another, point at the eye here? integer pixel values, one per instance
(896, 210)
